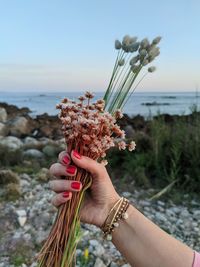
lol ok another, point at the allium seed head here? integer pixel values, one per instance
(121, 62)
(157, 40)
(145, 43)
(118, 45)
(134, 60)
(151, 69)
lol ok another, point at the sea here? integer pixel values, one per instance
(142, 103)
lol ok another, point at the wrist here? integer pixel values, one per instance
(108, 206)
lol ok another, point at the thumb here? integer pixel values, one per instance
(96, 169)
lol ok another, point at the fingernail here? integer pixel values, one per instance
(76, 185)
(71, 169)
(65, 194)
(66, 159)
(76, 154)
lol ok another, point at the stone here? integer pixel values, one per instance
(3, 115)
(12, 192)
(50, 151)
(99, 263)
(33, 153)
(19, 126)
(3, 129)
(8, 176)
(22, 217)
(31, 142)
(11, 143)
(44, 175)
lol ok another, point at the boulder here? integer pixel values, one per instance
(33, 154)
(50, 151)
(31, 142)
(11, 143)
(3, 115)
(19, 126)
(12, 192)
(7, 176)
(44, 175)
(3, 129)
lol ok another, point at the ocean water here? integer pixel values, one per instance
(143, 103)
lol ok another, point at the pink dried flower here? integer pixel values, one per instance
(89, 95)
(132, 146)
(118, 114)
(104, 162)
(122, 145)
(81, 98)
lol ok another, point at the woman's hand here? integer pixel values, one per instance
(99, 199)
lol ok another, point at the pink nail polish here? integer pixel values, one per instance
(76, 154)
(71, 169)
(66, 159)
(65, 194)
(76, 185)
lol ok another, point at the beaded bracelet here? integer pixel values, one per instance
(116, 214)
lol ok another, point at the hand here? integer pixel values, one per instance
(99, 199)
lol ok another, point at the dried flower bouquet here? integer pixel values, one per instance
(91, 129)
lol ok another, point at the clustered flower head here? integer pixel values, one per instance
(89, 127)
(146, 51)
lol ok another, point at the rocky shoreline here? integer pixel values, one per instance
(27, 147)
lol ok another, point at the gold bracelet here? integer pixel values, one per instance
(112, 221)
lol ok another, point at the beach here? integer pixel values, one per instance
(30, 144)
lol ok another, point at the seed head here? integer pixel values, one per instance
(118, 45)
(157, 40)
(145, 43)
(121, 62)
(151, 69)
(134, 60)
(134, 47)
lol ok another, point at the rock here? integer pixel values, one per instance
(129, 131)
(44, 175)
(33, 153)
(19, 126)
(22, 217)
(3, 115)
(31, 142)
(12, 192)
(50, 151)
(99, 263)
(7, 177)
(3, 129)
(11, 143)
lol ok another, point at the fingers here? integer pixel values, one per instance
(65, 185)
(58, 170)
(61, 198)
(96, 169)
(64, 158)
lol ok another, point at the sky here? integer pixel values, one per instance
(62, 45)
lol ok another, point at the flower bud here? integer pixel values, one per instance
(134, 47)
(134, 60)
(144, 43)
(134, 68)
(118, 45)
(121, 62)
(143, 52)
(151, 69)
(157, 40)
(133, 39)
(126, 40)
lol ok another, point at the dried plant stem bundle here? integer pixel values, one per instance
(91, 129)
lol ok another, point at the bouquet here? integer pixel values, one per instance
(91, 129)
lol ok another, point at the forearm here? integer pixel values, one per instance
(144, 244)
